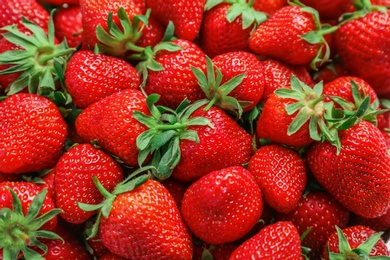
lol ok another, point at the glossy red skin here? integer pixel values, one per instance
(26, 192)
(329, 9)
(217, 35)
(223, 205)
(110, 122)
(186, 15)
(281, 175)
(68, 24)
(77, 166)
(7, 79)
(95, 12)
(12, 11)
(176, 189)
(268, 6)
(146, 224)
(111, 256)
(358, 176)
(279, 37)
(177, 82)
(228, 144)
(235, 63)
(152, 34)
(60, 2)
(90, 77)
(320, 212)
(33, 133)
(330, 72)
(276, 74)
(356, 235)
(276, 241)
(48, 182)
(363, 45)
(274, 121)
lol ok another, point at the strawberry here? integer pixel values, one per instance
(329, 10)
(294, 35)
(28, 215)
(110, 123)
(317, 213)
(362, 43)
(330, 71)
(226, 27)
(68, 24)
(229, 200)
(176, 189)
(378, 224)
(78, 165)
(90, 77)
(13, 10)
(355, 242)
(276, 241)
(185, 15)
(357, 174)
(35, 122)
(281, 175)
(59, 2)
(175, 80)
(140, 220)
(267, 6)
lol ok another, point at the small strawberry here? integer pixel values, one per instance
(281, 175)
(27, 216)
(111, 124)
(35, 122)
(294, 35)
(357, 174)
(185, 15)
(276, 241)
(330, 9)
(68, 25)
(355, 242)
(269, 6)
(78, 165)
(90, 77)
(317, 212)
(228, 200)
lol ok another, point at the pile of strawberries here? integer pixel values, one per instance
(176, 129)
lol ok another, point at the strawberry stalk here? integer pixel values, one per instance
(19, 232)
(363, 7)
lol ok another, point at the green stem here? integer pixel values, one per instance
(44, 58)
(250, 3)
(314, 102)
(171, 127)
(211, 103)
(132, 47)
(101, 188)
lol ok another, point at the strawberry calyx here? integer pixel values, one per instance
(166, 128)
(250, 16)
(363, 7)
(361, 252)
(218, 93)
(19, 232)
(39, 61)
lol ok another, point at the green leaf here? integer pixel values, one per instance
(234, 11)
(344, 246)
(232, 83)
(161, 139)
(302, 117)
(294, 107)
(16, 203)
(369, 244)
(143, 139)
(36, 205)
(289, 93)
(212, 3)
(143, 119)
(30, 254)
(313, 128)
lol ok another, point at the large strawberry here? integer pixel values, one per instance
(358, 175)
(276, 241)
(140, 220)
(293, 35)
(185, 15)
(223, 205)
(78, 165)
(281, 175)
(317, 213)
(355, 242)
(33, 133)
(111, 124)
(90, 77)
(27, 216)
(363, 43)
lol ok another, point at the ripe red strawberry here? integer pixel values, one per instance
(357, 176)
(90, 77)
(186, 15)
(356, 242)
(28, 214)
(329, 10)
(378, 224)
(33, 133)
(59, 2)
(110, 123)
(176, 81)
(363, 46)
(226, 27)
(293, 35)
(276, 74)
(276, 241)
(78, 165)
(281, 175)
(267, 6)
(150, 225)
(13, 10)
(68, 24)
(229, 200)
(330, 72)
(320, 212)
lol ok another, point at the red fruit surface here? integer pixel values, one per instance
(68, 24)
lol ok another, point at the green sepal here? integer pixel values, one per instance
(250, 16)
